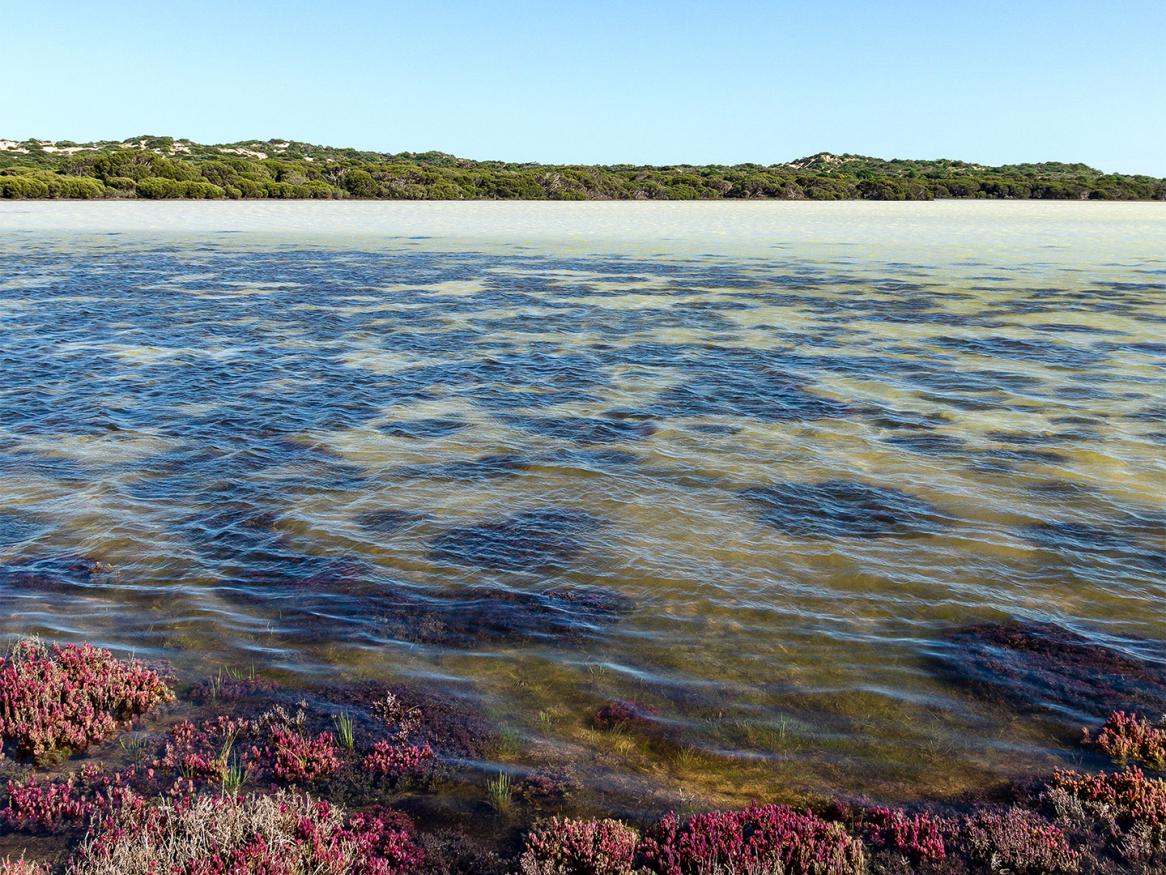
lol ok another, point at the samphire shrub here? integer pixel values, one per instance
(37, 806)
(760, 838)
(1127, 806)
(1128, 738)
(58, 701)
(396, 760)
(560, 846)
(1018, 841)
(296, 758)
(22, 866)
(918, 837)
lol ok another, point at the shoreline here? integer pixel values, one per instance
(135, 750)
(596, 200)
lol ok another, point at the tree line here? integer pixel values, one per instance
(157, 168)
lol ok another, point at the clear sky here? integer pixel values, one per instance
(604, 82)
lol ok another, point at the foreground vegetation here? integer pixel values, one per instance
(162, 167)
(265, 791)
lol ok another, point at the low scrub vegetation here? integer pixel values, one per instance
(57, 701)
(163, 168)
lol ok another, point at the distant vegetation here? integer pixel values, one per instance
(162, 167)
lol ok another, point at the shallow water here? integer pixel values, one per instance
(756, 467)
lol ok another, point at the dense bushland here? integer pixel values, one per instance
(162, 167)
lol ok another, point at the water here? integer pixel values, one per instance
(758, 468)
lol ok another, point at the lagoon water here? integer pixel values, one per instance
(767, 470)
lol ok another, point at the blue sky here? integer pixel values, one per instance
(605, 82)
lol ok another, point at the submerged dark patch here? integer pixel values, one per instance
(320, 599)
(49, 574)
(239, 533)
(292, 576)
(928, 443)
(17, 529)
(964, 402)
(1046, 668)
(470, 470)
(388, 521)
(592, 460)
(1137, 542)
(1025, 438)
(1059, 489)
(1073, 536)
(897, 419)
(584, 429)
(418, 429)
(715, 428)
(1011, 454)
(758, 395)
(1061, 355)
(843, 509)
(493, 614)
(529, 541)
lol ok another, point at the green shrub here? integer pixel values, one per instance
(218, 173)
(360, 183)
(22, 187)
(445, 191)
(201, 190)
(249, 188)
(80, 188)
(317, 189)
(279, 189)
(158, 188)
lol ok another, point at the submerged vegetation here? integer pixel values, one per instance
(262, 791)
(164, 168)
